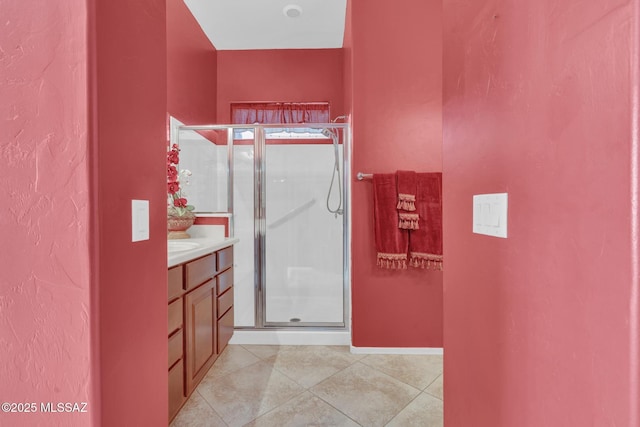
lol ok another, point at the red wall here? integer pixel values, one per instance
(397, 124)
(536, 104)
(279, 76)
(347, 62)
(46, 312)
(191, 68)
(129, 119)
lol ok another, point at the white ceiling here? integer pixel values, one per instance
(262, 24)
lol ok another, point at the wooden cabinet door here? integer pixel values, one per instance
(200, 327)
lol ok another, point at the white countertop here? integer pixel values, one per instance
(205, 245)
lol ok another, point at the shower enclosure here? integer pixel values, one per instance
(286, 191)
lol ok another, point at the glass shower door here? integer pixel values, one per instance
(303, 268)
(245, 272)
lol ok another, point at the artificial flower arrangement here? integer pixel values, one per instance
(176, 200)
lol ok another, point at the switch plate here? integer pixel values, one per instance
(490, 214)
(139, 220)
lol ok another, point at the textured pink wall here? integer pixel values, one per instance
(191, 68)
(537, 104)
(397, 124)
(45, 284)
(130, 125)
(347, 62)
(279, 75)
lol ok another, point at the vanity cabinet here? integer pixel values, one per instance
(200, 320)
(176, 338)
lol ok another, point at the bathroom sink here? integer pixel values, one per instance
(179, 246)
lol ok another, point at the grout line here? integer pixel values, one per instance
(329, 403)
(401, 380)
(434, 380)
(337, 354)
(256, 355)
(226, 373)
(277, 407)
(403, 408)
(419, 392)
(208, 404)
(431, 394)
(434, 396)
(337, 409)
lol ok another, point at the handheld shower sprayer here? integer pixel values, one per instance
(328, 133)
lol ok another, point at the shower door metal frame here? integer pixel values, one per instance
(260, 189)
(259, 148)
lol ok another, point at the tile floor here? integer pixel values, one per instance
(298, 386)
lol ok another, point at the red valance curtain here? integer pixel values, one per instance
(279, 112)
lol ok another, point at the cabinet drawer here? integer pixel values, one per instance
(175, 347)
(225, 258)
(175, 315)
(200, 270)
(225, 330)
(225, 301)
(176, 389)
(225, 281)
(175, 282)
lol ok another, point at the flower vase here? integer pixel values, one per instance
(177, 225)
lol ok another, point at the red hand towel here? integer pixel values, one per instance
(406, 200)
(406, 190)
(391, 242)
(425, 244)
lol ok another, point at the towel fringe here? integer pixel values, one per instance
(392, 261)
(408, 221)
(426, 261)
(406, 202)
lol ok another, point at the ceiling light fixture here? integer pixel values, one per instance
(292, 11)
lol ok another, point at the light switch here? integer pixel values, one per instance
(490, 214)
(139, 220)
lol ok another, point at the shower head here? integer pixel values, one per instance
(328, 133)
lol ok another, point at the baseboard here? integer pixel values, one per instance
(288, 337)
(267, 337)
(397, 350)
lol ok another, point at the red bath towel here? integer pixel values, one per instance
(425, 244)
(391, 242)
